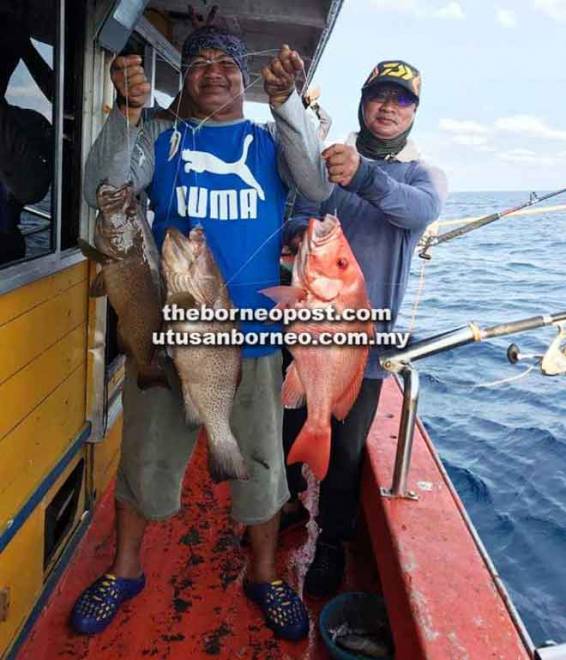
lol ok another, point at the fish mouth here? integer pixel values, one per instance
(318, 235)
(177, 249)
(113, 201)
(188, 266)
(320, 232)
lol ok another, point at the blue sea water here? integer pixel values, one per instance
(504, 446)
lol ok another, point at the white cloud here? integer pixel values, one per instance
(506, 17)
(469, 140)
(526, 157)
(555, 9)
(463, 126)
(529, 126)
(452, 11)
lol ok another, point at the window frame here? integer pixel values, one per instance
(156, 43)
(24, 271)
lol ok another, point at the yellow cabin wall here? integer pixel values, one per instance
(21, 571)
(43, 330)
(46, 375)
(21, 562)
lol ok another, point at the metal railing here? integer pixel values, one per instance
(400, 362)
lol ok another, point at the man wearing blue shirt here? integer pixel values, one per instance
(201, 162)
(384, 196)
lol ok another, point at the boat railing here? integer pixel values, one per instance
(552, 363)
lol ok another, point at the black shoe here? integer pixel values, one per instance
(326, 571)
(289, 520)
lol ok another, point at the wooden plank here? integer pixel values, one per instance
(21, 300)
(32, 384)
(31, 333)
(33, 447)
(21, 570)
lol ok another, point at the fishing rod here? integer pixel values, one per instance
(395, 360)
(400, 362)
(429, 241)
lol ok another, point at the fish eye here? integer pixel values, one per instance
(342, 263)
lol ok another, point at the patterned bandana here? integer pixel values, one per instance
(212, 37)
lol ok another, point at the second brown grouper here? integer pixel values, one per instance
(208, 374)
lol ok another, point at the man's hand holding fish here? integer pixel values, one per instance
(202, 163)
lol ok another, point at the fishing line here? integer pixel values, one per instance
(193, 130)
(176, 140)
(418, 295)
(254, 254)
(506, 380)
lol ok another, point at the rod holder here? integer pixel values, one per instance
(406, 434)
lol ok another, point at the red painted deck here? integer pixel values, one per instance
(443, 601)
(193, 606)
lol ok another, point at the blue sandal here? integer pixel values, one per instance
(283, 610)
(99, 603)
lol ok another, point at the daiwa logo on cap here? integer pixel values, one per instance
(396, 71)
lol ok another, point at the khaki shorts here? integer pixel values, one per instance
(157, 444)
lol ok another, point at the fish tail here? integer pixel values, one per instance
(226, 462)
(312, 446)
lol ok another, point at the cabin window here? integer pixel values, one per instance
(167, 82)
(41, 63)
(27, 136)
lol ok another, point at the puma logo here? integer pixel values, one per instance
(202, 161)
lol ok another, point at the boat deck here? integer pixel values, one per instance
(193, 605)
(444, 598)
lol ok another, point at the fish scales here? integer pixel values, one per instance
(129, 259)
(325, 274)
(208, 374)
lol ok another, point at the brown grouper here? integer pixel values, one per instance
(125, 249)
(209, 374)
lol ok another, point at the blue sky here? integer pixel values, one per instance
(493, 109)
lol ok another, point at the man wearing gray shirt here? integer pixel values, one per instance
(211, 151)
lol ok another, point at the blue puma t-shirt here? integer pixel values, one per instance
(225, 178)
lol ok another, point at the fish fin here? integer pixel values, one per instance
(90, 252)
(312, 446)
(191, 414)
(225, 460)
(346, 400)
(293, 392)
(284, 295)
(184, 300)
(97, 287)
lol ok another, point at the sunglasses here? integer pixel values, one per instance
(398, 96)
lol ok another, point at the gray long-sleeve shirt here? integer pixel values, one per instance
(124, 153)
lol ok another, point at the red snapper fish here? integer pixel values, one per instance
(325, 274)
